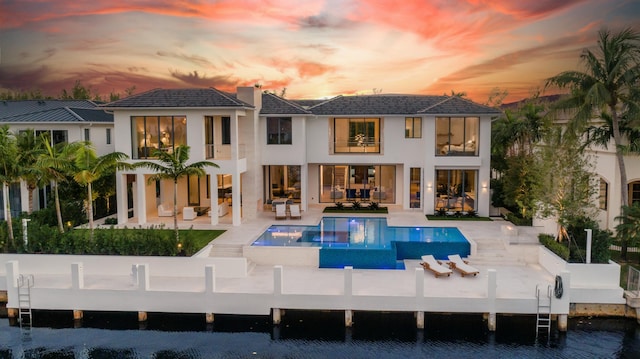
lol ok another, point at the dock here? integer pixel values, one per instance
(230, 277)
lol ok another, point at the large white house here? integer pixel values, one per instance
(64, 121)
(413, 151)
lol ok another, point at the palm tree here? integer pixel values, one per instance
(173, 166)
(9, 172)
(88, 168)
(30, 148)
(628, 231)
(55, 163)
(608, 86)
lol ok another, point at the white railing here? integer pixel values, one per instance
(223, 152)
(633, 281)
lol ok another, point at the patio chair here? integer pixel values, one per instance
(430, 263)
(281, 211)
(462, 266)
(165, 210)
(294, 211)
(188, 214)
(351, 194)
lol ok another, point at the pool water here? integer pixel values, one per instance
(367, 242)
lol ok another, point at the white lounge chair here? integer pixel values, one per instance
(189, 214)
(281, 211)
(165, 210)
(462, 266)
(294, 210)
(430, 263)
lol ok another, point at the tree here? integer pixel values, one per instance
(30, 148)
(88, 168)
(628, 230)
(9, 172)
(609, 85)
(515, 137)
(173, 166)
(55, 163)
(568, 181)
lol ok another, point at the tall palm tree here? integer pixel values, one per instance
(88, 168)
(608, 85)
(9, 172)
(30, 148)
(173, 166)
(55, 163)
(628, 230)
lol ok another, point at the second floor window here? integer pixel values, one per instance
(279, 130)
(457, 136)
(356, 135)
(157, 132)
(56, 136)
(108, 136)
(413, 127)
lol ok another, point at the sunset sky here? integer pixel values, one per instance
(314, 49)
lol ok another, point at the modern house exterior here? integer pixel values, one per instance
(412, 151)
(64, 121)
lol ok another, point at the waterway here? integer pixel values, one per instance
(312, 335)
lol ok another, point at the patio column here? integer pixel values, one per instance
(213, 190)
(121, 198)
(235, 198)
(140, 205)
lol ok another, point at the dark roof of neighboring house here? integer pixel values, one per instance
(547, 98)
(200, 97)
(305, 103)
(37, 111)
(274, 105)
(399, 105)
(22, 107)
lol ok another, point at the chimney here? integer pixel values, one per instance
(251, 95)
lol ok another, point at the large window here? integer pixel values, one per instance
(362, 183)
(603, 195)
(56, 136)
(413, 127)
(457, 136)
(456, 190)
(157, 132)
(356, 135)
(226, 130)
(279, 130)
(283, 182)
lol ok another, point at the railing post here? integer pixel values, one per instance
(277, 293)
(348, 293)
(419, 297)
(491, 297)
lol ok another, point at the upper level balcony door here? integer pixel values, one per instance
(218, 137)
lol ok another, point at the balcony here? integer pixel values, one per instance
(223, 152)
(356, 146)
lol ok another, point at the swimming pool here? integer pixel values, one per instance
(367, 242)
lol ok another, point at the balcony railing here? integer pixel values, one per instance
(223, 152)
(356, 147)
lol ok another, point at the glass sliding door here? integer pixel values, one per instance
(456, 190)
(339, 183)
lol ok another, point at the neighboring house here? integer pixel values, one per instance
(64, 121)
(411, 151)
(608, 199)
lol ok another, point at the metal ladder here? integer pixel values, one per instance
(25, 283)
(543, 316)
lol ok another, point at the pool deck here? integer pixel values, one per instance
(517, 279)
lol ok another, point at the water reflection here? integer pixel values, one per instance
(306, 334)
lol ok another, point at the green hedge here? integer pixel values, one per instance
(560, 249)
(152, 241)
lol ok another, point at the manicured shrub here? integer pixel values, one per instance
(560, 249)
